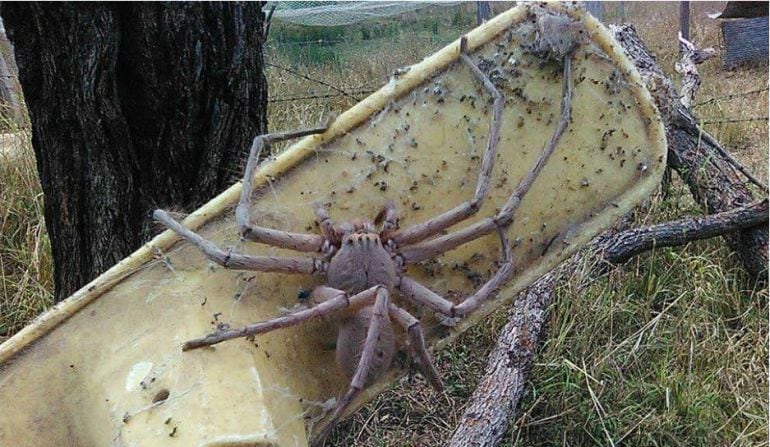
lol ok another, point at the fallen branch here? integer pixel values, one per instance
(708, 171)
(630, 243)
(729, 157)
(493, 404)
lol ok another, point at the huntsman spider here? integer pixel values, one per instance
(364, 261)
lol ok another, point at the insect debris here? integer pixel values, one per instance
(363, 261)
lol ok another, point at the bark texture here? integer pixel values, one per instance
(133, 107)
(493, 404)
(629, 243)
(711, 176)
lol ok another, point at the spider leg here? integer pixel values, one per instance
(461, 212)
(430, 249)
(426, 250)
(284, 239)
(239, 261)
(417, 348)
(333, 300)
(388, 217)
(379, 316)
(505, 216)
(422, 295)
(326, 224)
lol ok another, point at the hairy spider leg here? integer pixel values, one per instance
(435, 225)
(417, 348)
(283, 239)
(422, 295)
(239, 261)
(357, 384)
(429, 249)
(326, 224)
(333, 303)
(501, 222)
(388, 216)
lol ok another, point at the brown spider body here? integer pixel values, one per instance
(364, 268)
(360, 263)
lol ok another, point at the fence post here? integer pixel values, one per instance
(483, 11)
(684, 19)
(622, 11)
(596, 9)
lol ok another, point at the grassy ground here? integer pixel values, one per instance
(669, 349)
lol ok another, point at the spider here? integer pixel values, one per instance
(364, 261)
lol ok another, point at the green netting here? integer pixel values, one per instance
(343, 13)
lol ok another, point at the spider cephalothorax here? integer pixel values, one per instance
(362, 261)
(363, 267)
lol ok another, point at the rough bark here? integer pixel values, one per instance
(133, 107)
(493, 404)
(709, 173)
(9, 103)
(630, 243)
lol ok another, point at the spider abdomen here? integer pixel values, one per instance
(361, 262)
(350, 345)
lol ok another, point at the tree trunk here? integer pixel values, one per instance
(483, 12)
(9, 103)
(133, 107)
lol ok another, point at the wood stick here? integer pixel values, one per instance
(707, 171)
(630, 243)
(704, 165)
(493, 405)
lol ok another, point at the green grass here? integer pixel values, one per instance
(663, 351)
(669, 349)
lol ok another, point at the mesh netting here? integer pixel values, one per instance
(343, 13)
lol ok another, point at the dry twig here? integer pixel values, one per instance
(493, 404)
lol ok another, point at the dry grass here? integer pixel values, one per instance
(669, 349)
(26, 274)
